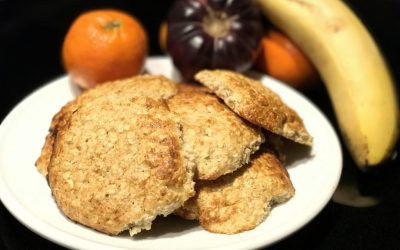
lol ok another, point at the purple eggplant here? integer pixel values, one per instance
(213, 34)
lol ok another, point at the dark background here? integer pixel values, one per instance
(31, 35)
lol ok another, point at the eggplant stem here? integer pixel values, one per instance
(217, 23)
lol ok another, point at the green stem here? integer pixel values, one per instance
(113, 24)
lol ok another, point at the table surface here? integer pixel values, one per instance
(31, 35)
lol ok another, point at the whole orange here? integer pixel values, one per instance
(283, 60)
(104, 45)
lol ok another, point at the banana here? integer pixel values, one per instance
(352, 68)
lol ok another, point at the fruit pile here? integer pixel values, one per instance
(308, 40)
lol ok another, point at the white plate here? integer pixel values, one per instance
(27, 196)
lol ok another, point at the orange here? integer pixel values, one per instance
(162, 36)
(104, 45)
(283, 60)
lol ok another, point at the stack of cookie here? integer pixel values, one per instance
(127, 151)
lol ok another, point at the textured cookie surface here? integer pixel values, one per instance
(156, 87)
(216, 140)
(243, 199)
(59, 120)
(117, 163)
(256, 103)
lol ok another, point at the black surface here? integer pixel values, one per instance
(31, 34)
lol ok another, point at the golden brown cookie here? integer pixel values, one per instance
(255, 103)
(118, 163)
(241, 200)
(216, 140)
